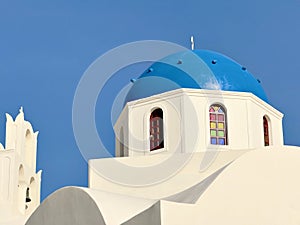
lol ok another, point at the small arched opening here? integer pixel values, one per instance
(21, 173)
(266, 128)
(27, 199)
(156, 129)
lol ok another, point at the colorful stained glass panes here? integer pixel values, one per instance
(217, 119)
(216, 108)
(213, 141)
(220, 125)
(213, 125)
(220, 133)
(221, 117)
(212, 117)
(213, 133)
(221, 141)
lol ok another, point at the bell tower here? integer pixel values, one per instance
(19, 183)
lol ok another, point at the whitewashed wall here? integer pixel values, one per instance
(186, 121)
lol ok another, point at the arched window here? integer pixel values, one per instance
(217, 123)
(156, 129)
(28, 199)
(266, 131)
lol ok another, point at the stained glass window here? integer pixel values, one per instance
(156, 130)
(218, 130)
(266, 131)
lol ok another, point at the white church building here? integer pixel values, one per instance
(196, 143)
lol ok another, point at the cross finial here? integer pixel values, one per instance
(192, 42)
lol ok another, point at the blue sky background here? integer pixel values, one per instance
(45, 47)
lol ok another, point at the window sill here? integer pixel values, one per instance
(160, 150)
(219, 147)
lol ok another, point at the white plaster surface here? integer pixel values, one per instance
(78, 206)
(258, 187)
(186, 121)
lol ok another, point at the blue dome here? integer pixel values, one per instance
(200, 69)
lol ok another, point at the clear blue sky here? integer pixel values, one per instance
(45, 47)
